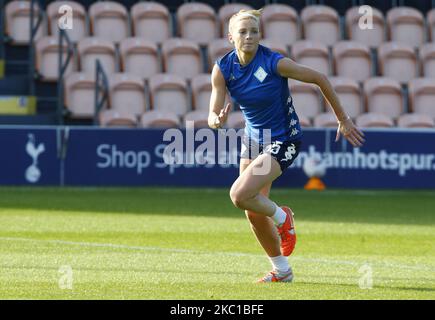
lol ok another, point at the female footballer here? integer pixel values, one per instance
(256, 79)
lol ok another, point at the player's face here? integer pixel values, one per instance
(245, 35)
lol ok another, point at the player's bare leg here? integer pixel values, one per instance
(262, 226)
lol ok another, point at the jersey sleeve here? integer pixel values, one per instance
(223, 66)
(275, 57)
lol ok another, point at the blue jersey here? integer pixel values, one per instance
(263, 95)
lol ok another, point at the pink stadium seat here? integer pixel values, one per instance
(159, 119)
(225, 13)
(79, 30)
(280, 23)
(431, 24)
(304, 121)
(151, 20)
(201, 91)
(169, 93)
(217, 49)
(47, 51)
(140, 57)
(415, 120)
(352, 60)
(235, 120)
(422, 96)
(80, 94)
(406, 25)
(370, 37)
(197, 22)
(325, 120)
(276, 46)
(384, 96)
(127, 92)
(349, 93)
(182, 57)
(109, 20)
(200, 118)
(320, 24)
(17, 15)
(427, 58)
(306, 98)
(312, 54)
(91, 49)
(398, 61)
(374, 120)
(117, 118)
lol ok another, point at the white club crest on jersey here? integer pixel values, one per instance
(260, 74)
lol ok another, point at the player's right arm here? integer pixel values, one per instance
(218, 114)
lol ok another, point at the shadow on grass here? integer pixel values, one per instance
(383, 207)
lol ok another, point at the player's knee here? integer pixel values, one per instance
(238, 198)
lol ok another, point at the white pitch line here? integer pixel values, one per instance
(237, 254)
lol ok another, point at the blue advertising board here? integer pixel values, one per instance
(87, 156)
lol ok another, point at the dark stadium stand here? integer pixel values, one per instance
(157, 57)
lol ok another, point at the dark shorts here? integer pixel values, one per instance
(284, 152)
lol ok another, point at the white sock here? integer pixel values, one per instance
(279, 216)
(279, 263)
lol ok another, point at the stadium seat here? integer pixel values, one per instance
(349, 93)
(370, 37)
(169, 93)
(431, 24)
(17, 16)
(352, 60)
(406, 25)
(275, 45)
(79, 29)
(201, 91)
(151, 20)
(306, 98)
(280, 23)
(80, 94)
(117, 118)
(427, 59)
(90, 49)
(47, 55)
(312, 54)
(182, 57)
(415, 120)
(374, 120)
(320, 24)
(197, 22)
(200, 118)
(140, 57)
(384, 96)
(127, 92)
(398, 61)
(304, 121)
(325, 120)
(422, 96)
(225, 13)
(217, 49)
(235, 120)
(159, 119)
(109, 21)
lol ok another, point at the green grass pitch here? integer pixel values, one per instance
(160, 243)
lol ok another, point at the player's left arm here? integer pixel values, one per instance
(287, 68)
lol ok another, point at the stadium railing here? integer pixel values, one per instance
(63, 36)
(101, 92)
(2, 37)
(33, 30)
